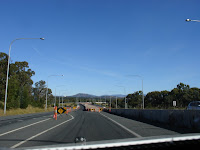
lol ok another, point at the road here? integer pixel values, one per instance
(41, 129)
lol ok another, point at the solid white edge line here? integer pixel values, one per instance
(116, 144)
(23, 127)
(130, 131)
(22, 142)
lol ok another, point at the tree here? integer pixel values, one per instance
(20, 91)
(39, 94)
(21, 72)
(13, 99)
(3, 71)
(153, 99)
(181, 94)
(19, 82)
(135, 99)
(194, 94)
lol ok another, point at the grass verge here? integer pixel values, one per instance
(28, 110)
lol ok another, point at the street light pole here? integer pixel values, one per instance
(116, 101)
(6, 92)
(125, 105)
(55, 94)
(110, 102)
(142, 88)
(62, 97)
(142, 95)
(47, 89)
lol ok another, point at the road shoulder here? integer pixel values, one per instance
(142, 129)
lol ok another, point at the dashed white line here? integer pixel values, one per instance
(22, 142)
(130, 131)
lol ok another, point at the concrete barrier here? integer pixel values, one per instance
(187, 119)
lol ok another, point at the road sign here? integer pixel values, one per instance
(174, 103)
(61, 110)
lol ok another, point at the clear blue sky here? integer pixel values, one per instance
(97, 43)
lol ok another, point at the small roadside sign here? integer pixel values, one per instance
(174, 103)
(61, 110)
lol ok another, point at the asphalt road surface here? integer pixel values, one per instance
(41, 129)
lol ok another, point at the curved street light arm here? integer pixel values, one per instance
(189, 20)
(6, 91)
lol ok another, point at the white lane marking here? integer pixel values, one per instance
(22, 142)
(132, 132)
(19, 120)
(23, 127)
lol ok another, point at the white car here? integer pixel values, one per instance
(195, 105)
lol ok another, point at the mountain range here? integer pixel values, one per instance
(84, 95)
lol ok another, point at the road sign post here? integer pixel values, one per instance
(174, 104)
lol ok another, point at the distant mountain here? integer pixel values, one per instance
(94, 96)
(84, 95)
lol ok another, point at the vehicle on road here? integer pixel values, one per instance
(195, 105)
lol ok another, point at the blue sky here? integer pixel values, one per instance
(97, 43)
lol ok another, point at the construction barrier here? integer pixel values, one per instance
(66, 111)
(55, 113)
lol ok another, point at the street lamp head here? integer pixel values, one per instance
(188, 20)
(42, 38)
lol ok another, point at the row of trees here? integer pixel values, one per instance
(182, 94)
(21, 92)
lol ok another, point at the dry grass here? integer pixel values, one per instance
(28, 110)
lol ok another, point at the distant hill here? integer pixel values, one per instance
(84, 95)
(94, 96)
